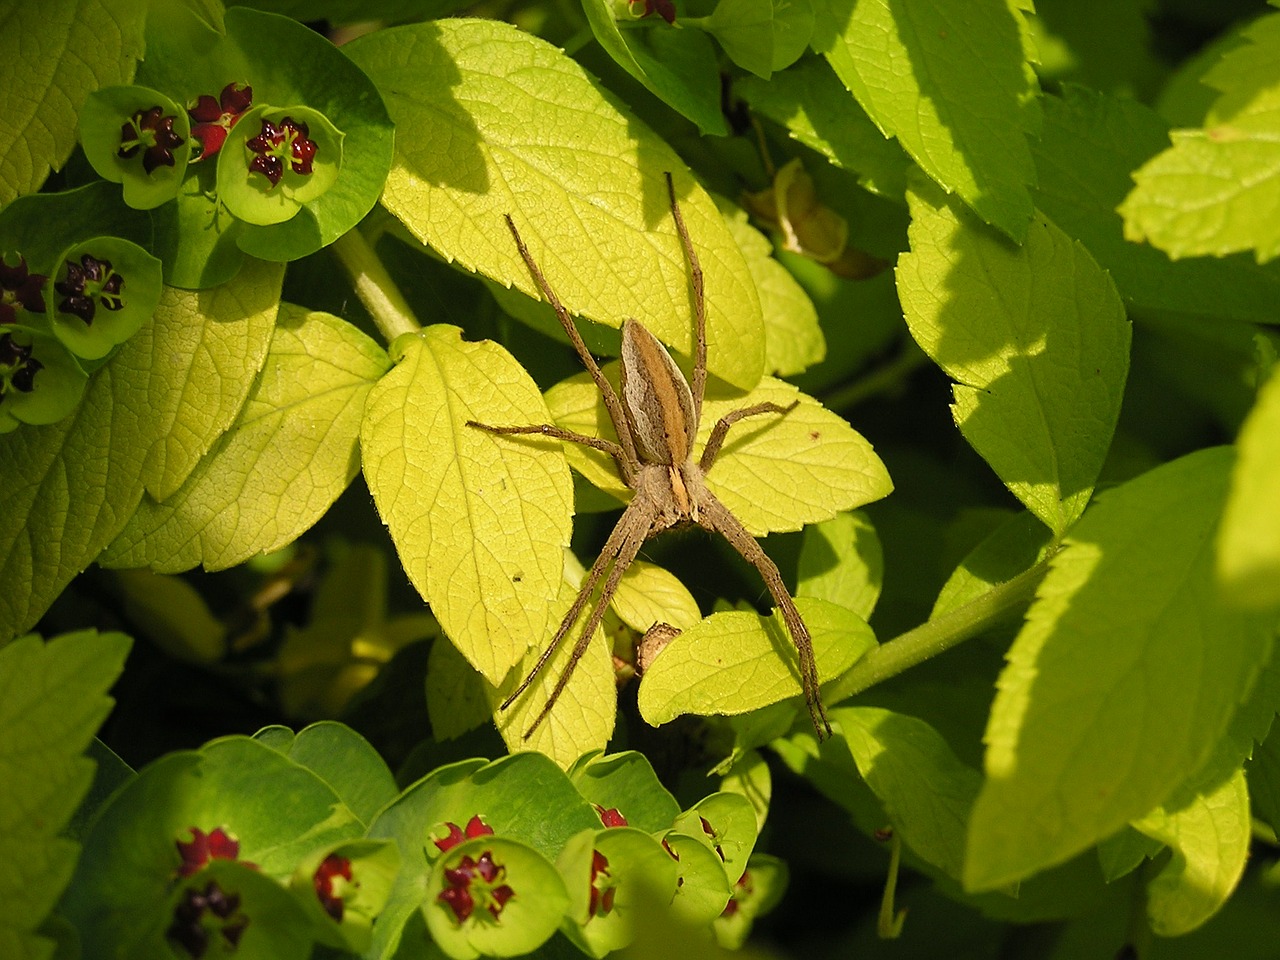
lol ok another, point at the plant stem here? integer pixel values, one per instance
(374, 286)
(941, 633)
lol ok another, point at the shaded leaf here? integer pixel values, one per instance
(841, 561)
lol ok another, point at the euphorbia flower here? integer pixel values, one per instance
(151, 131)
(203, 847)
(476, 883)
(18, 368)
(603, 886)
(331, 878)
(666, 9)
(742, 890)
(276, 144)
(475, 828)
(612, 817)
(90, 282)
(190, 932)
(212, 119)
(20, 289)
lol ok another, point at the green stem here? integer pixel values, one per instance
(890, 922)
(941, 633)
(374, 286)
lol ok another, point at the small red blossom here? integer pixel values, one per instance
(475, 883)
(715, 837)
(151, 132)
(666, 9)
(213, 119)
(20, 290)
(475, 828)
(89, 283)
(18, 368)
(612, 817)
(329, 884)
(603, 886)
(198, 911)
(203, 847)
(279, 143)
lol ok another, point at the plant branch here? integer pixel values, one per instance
(939, 634)
(374, 286)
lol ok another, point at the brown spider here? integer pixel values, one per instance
(656, 419)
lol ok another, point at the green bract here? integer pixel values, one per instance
(40, 382)
(302, 146)
(495, 897)
(137, 137)
(104, 290)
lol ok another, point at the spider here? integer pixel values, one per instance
(656, 418)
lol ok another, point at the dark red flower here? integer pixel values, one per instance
(666, 9)
(152, 132)
(19, 289)
(213, 119)
(189, 930)
(475, 828)
(203, 847)
(331, 868)
(603, 886)
(18, 368)
(474, 882)
(715, 837)
(279, 143)
(611, 817)
(88, 283)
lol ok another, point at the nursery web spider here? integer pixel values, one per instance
(656, 419)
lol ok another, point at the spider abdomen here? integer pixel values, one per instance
(656, 399)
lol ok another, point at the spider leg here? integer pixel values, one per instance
(714, 515)
(699, 384)
(714, 442)
(627, 536)
(551, 430)
(611, 402)
(626, 553)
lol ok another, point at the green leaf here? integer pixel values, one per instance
(1208, 831)
(792, 338)
(1248, 564)
(213, 345)
(762, 35)
(926, 790)
(146, 417)
(587, 194)
(751, 778)
(1088, 147)
(648, 594)
(676, 66)
(1213, 190)
(757, 892)
(52, 56)
(735, 662)
(1125, 677)
(841, 561)
(1037, 340)
(726, 824)
(457, 696)
(702, 889)
(955, 90)
(479, 521)
(347, 763)
(626, 782)
(1014, 546)
(52, 701)
(289, 454)
(824, 464)
(816, 110)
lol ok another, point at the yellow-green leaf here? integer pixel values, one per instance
(457, 697)
(284, 461)
(1248, 562)
(735, 662)
(480, 521)
(648, 594)
(492, 121)
(841, 561)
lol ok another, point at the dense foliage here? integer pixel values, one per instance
(1001, 284)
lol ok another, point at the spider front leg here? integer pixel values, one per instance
(716, 440)
(559, 433)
